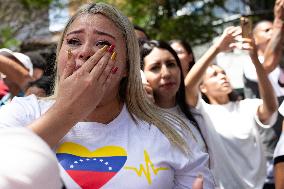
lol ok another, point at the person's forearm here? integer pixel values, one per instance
(279, 175)
(266, 91)
(53, 125)
(273, 51)
(14, 72)
(194, 76)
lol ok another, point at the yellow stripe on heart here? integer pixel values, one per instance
(78, 150)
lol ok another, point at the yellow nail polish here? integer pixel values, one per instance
(104, 48)
(113, 56)
(69, 54)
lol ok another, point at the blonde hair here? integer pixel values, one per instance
(136, 101)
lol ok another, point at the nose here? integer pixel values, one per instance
(86, 51)
(222, 76)
(165, 72)
(83, 54)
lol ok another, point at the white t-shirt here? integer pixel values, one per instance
(281, 108)
(121, 154)
(236, 124)
(26, 161)
(177, 111)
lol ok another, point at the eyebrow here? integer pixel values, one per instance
(95, 31)
(104, 33)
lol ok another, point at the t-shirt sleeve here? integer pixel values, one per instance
(270, 122)
(198, 163)
(252, 105)
(20, 112)
(281, 109)
(279, 150)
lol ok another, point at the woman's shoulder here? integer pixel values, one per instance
(250, 102)
(22, 110)
(32, 102)
(21, 103)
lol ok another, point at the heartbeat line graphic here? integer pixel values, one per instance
(146, 171)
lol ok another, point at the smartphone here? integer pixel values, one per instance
(246, 25)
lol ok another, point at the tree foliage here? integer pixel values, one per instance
(19, 17)
(192, 20)
(161, 21)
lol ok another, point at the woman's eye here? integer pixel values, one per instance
(171, 64)
(155, 68)
(73, 42)
(101, 44)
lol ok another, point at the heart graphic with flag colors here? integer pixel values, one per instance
(91, 169)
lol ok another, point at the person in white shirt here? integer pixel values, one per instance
(236, 122)
(99, 122)
(163, 74)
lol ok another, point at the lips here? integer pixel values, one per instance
(168, 85)
(225, 83)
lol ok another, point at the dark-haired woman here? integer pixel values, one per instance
(162, 71)
(185, 54)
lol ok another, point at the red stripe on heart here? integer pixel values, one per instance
(90, 179)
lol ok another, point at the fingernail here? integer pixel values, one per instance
(113, 56)
(114, 70)
(104, 48)
(110, 49)
(69, 54)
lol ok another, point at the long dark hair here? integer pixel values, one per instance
(146, 49)
(188, 49)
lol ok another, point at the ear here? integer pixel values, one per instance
(202, 88)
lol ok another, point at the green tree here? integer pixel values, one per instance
(162, 20)
(16, 15)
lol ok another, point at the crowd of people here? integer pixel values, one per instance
(126, 111)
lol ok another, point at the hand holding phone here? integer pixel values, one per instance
(246, 26)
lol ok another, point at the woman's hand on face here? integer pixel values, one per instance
(81, 90)
(149, 92)
(227, 40)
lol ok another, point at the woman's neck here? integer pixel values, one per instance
(105, 113)
(261, 50)
(219, 100)
(165, 102)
